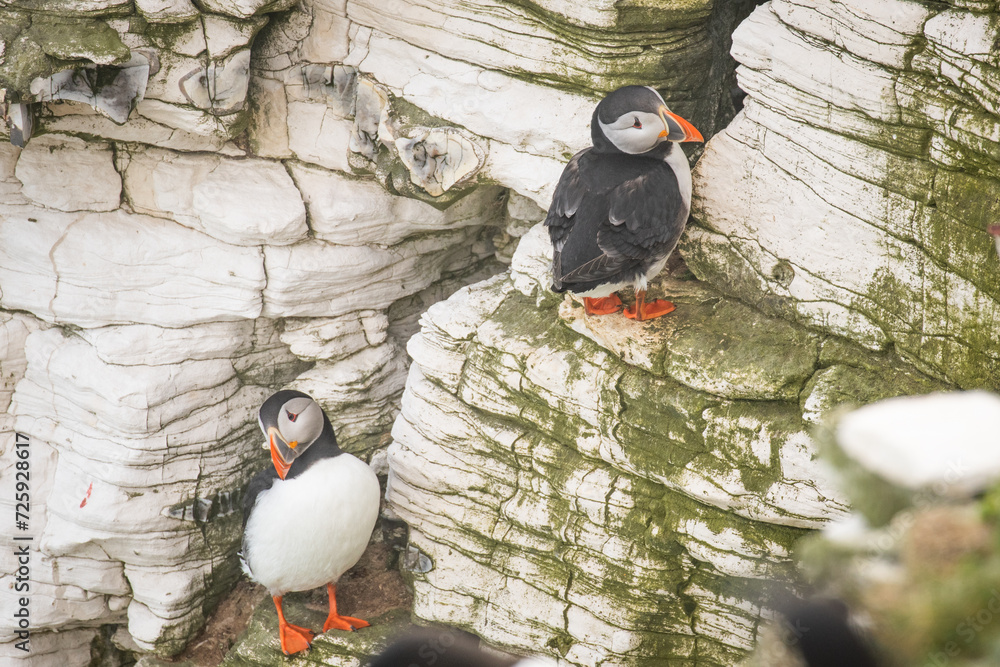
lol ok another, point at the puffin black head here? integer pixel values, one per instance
(635, 120)
(291, 421)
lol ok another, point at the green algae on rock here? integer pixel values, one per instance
(258, 645)
(641, 485)
(861, 211)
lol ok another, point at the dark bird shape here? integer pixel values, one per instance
(447, 648)
(620, 206)
(821, 630)
(307, 520)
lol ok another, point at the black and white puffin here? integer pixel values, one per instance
(309, 519)
(620, 206)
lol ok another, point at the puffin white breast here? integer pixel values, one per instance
(306, 531)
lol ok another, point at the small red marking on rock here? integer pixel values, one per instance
(89, 489)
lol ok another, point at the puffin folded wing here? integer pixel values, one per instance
(646, 211)
(566, 201)
(598, 269)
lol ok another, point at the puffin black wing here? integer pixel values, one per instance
(566, 200)
(645, 212)
(612, 217)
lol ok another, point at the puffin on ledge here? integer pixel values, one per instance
(309, 519)
(620, 206)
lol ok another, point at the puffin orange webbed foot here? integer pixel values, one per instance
(603, 305)
(294, 638)
(348, 623)
(335, 620)
(651, 309)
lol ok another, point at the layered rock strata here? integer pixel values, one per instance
(215, 199)
(206, 201)
(155, 279)
(148, 334)
(854, 191)
(613, 492)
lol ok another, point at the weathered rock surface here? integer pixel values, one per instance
(240, 201)
(172, 75)
(113, 91)
(139, 254)
(592, 47)
(69, 174)
(853, 192)
(259, 644)
(283, 191)
(126, 513)
(91, 269)
(638, 484)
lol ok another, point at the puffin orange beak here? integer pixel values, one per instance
(280, 465)
(676, 128)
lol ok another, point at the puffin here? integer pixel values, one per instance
(446, 647)
(620, 206)
(822, 632)
(308, 519)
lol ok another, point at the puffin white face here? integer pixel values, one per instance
(636, 120)
(635, 132)
(300, 422)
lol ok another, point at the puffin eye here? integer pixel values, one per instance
(636, 124)
(291, 416)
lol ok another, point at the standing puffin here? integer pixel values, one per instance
(621, 205)
(309, 519)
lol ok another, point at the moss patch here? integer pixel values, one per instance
(259, 646)
(83, 39)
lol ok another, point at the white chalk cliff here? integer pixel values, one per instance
(209, 201)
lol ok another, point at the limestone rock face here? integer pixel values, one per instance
(157, 272)
(172, 75)
(208, 201)
(91, 269)
(853, 193)
(609, 490)
(113, 93)
(138, 375)
(69, 174)
(594, 47)
(244, 202)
